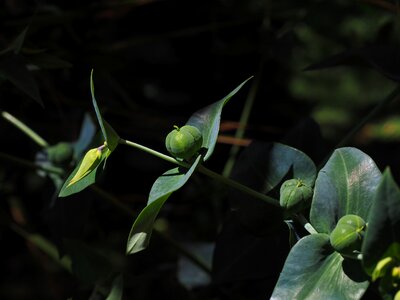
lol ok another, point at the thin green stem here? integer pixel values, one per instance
(153, 152)
(25, 129)
(207, 172)
(393, 96)
(244, 119)
(238, 186)
(29, 164)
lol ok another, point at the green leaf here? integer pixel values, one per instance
(163, 187)
(345, 185)
(207, 120)
(89, 264)
(116, 289)
(109, 134)
(383, 229)
(13, 68)
(273, 162)
(86, 180)
(86, 135)
(314, 271)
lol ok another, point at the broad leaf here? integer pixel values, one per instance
(345, 185)
(262, 167)
(90, 178)
(89, 264)
(243, 257)
(383, 224)
(315, 271)
(13, 68)
(207, 120)
(163, 187)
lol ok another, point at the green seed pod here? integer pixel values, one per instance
(294, 195)
(60, 153)
(184, 142)
(348, 234)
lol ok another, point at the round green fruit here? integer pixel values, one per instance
(184, 142)
(294, 195)
(348, 234)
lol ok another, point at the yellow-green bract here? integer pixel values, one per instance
(348, 234)
(184, 142)
(90, 161)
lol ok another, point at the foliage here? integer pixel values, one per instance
(311, 207)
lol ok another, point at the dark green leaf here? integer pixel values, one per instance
(163, 187)
(384, 222)
(88, 263)
(314, 271)
(346, 185)
(207, 120)
(13, 68)
(262, 166)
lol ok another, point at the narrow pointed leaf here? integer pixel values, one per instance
(345, 185)
(89, 178)
(16, 45)
(109, 134)
(163, 187)
(384, 223)
(314, 271)
(208, 119)
(13, 68)
(86, 135)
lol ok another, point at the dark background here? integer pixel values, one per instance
(155, 63)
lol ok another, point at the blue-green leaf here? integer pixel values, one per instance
(163, 187)
(384, 223)
(345, 185)
(207, 120)
(313, 271)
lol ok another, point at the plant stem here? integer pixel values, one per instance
(238, 186)
(391, 97)
(303, 221)
(29, 164)
(29, 132)
(207, 172)
(182, 250)
(153, 152)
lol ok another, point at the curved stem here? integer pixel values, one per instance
(238, 186)
(205, 171)
(29, 132)
(29, 164)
